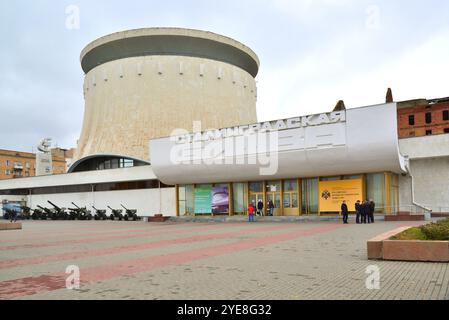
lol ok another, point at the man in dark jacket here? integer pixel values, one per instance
(372, 208)
(358, 210)
(270, 207)
(366, 211)
(260, 208)
(344, 212)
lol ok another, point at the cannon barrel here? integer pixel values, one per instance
(42, 208)
(75, 205)
(55, 206)
(123, 207)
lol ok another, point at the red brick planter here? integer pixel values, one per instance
(381, 248)
(158, 218)
(6, 225)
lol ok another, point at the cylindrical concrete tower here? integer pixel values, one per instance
(142, 84)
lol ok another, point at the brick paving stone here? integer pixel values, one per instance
(274, 261)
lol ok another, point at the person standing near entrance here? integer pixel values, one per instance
(358, 210)
(366, 212)
(270, 208)
(344, 212)
(372, 208)
(251, 213)
(260, 208)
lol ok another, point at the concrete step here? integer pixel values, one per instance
(265, 219)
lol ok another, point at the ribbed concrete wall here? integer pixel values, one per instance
(132, 100)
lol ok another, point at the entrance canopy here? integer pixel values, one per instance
(355, 141)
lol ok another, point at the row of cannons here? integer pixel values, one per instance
(77, 213)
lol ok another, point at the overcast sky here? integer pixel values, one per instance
(312, 52)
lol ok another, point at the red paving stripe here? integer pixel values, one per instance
(32, 285)
(82, 226)
(185, 229)
(31, 242)
(94, 232)
(133, 247)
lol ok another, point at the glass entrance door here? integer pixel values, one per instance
(273, 193)
(256, 193)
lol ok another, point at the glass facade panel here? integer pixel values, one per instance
(375, 189)
(310, 196)
(256, 187)
(287, 200)
(294, 200)
(239, 191)
(291, 185)
(273, 186)
(277, 202)
(190, 199)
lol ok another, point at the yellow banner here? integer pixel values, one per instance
(332, 194)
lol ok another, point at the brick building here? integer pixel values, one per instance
(423, 117)
(17, 164)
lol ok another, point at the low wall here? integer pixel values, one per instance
(381, 248)
(10, 225)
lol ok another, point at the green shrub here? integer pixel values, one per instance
(436, 231)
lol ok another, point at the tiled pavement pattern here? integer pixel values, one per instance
(126, 260)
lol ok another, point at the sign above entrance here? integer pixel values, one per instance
(269, 126)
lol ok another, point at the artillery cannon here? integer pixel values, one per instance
(116, 213)
(58, 213)
(26, 212)
(130, 214)
(37, 214)
(100, 214)
(45, 213)
(81, 213)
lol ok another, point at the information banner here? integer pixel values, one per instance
(332, 194)
(203, 199)
(220, 200)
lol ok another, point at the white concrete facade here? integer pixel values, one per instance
(338, 143)
(429, 172)
(147, 201)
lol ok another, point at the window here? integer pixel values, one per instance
(446, 115)
(27, 165)
(446, 130)
(411, 120)
(428, 117)
(291, 193)
(309, 196)
(7, 163)
(7, 172)
(256, 187)
(428, 132)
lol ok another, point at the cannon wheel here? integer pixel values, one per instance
(126, 217)
(111, 217)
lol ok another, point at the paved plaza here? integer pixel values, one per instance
(274, 261)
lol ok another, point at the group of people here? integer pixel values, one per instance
(364, 211)
(258, 210)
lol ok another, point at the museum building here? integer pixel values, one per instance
(151, 97)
